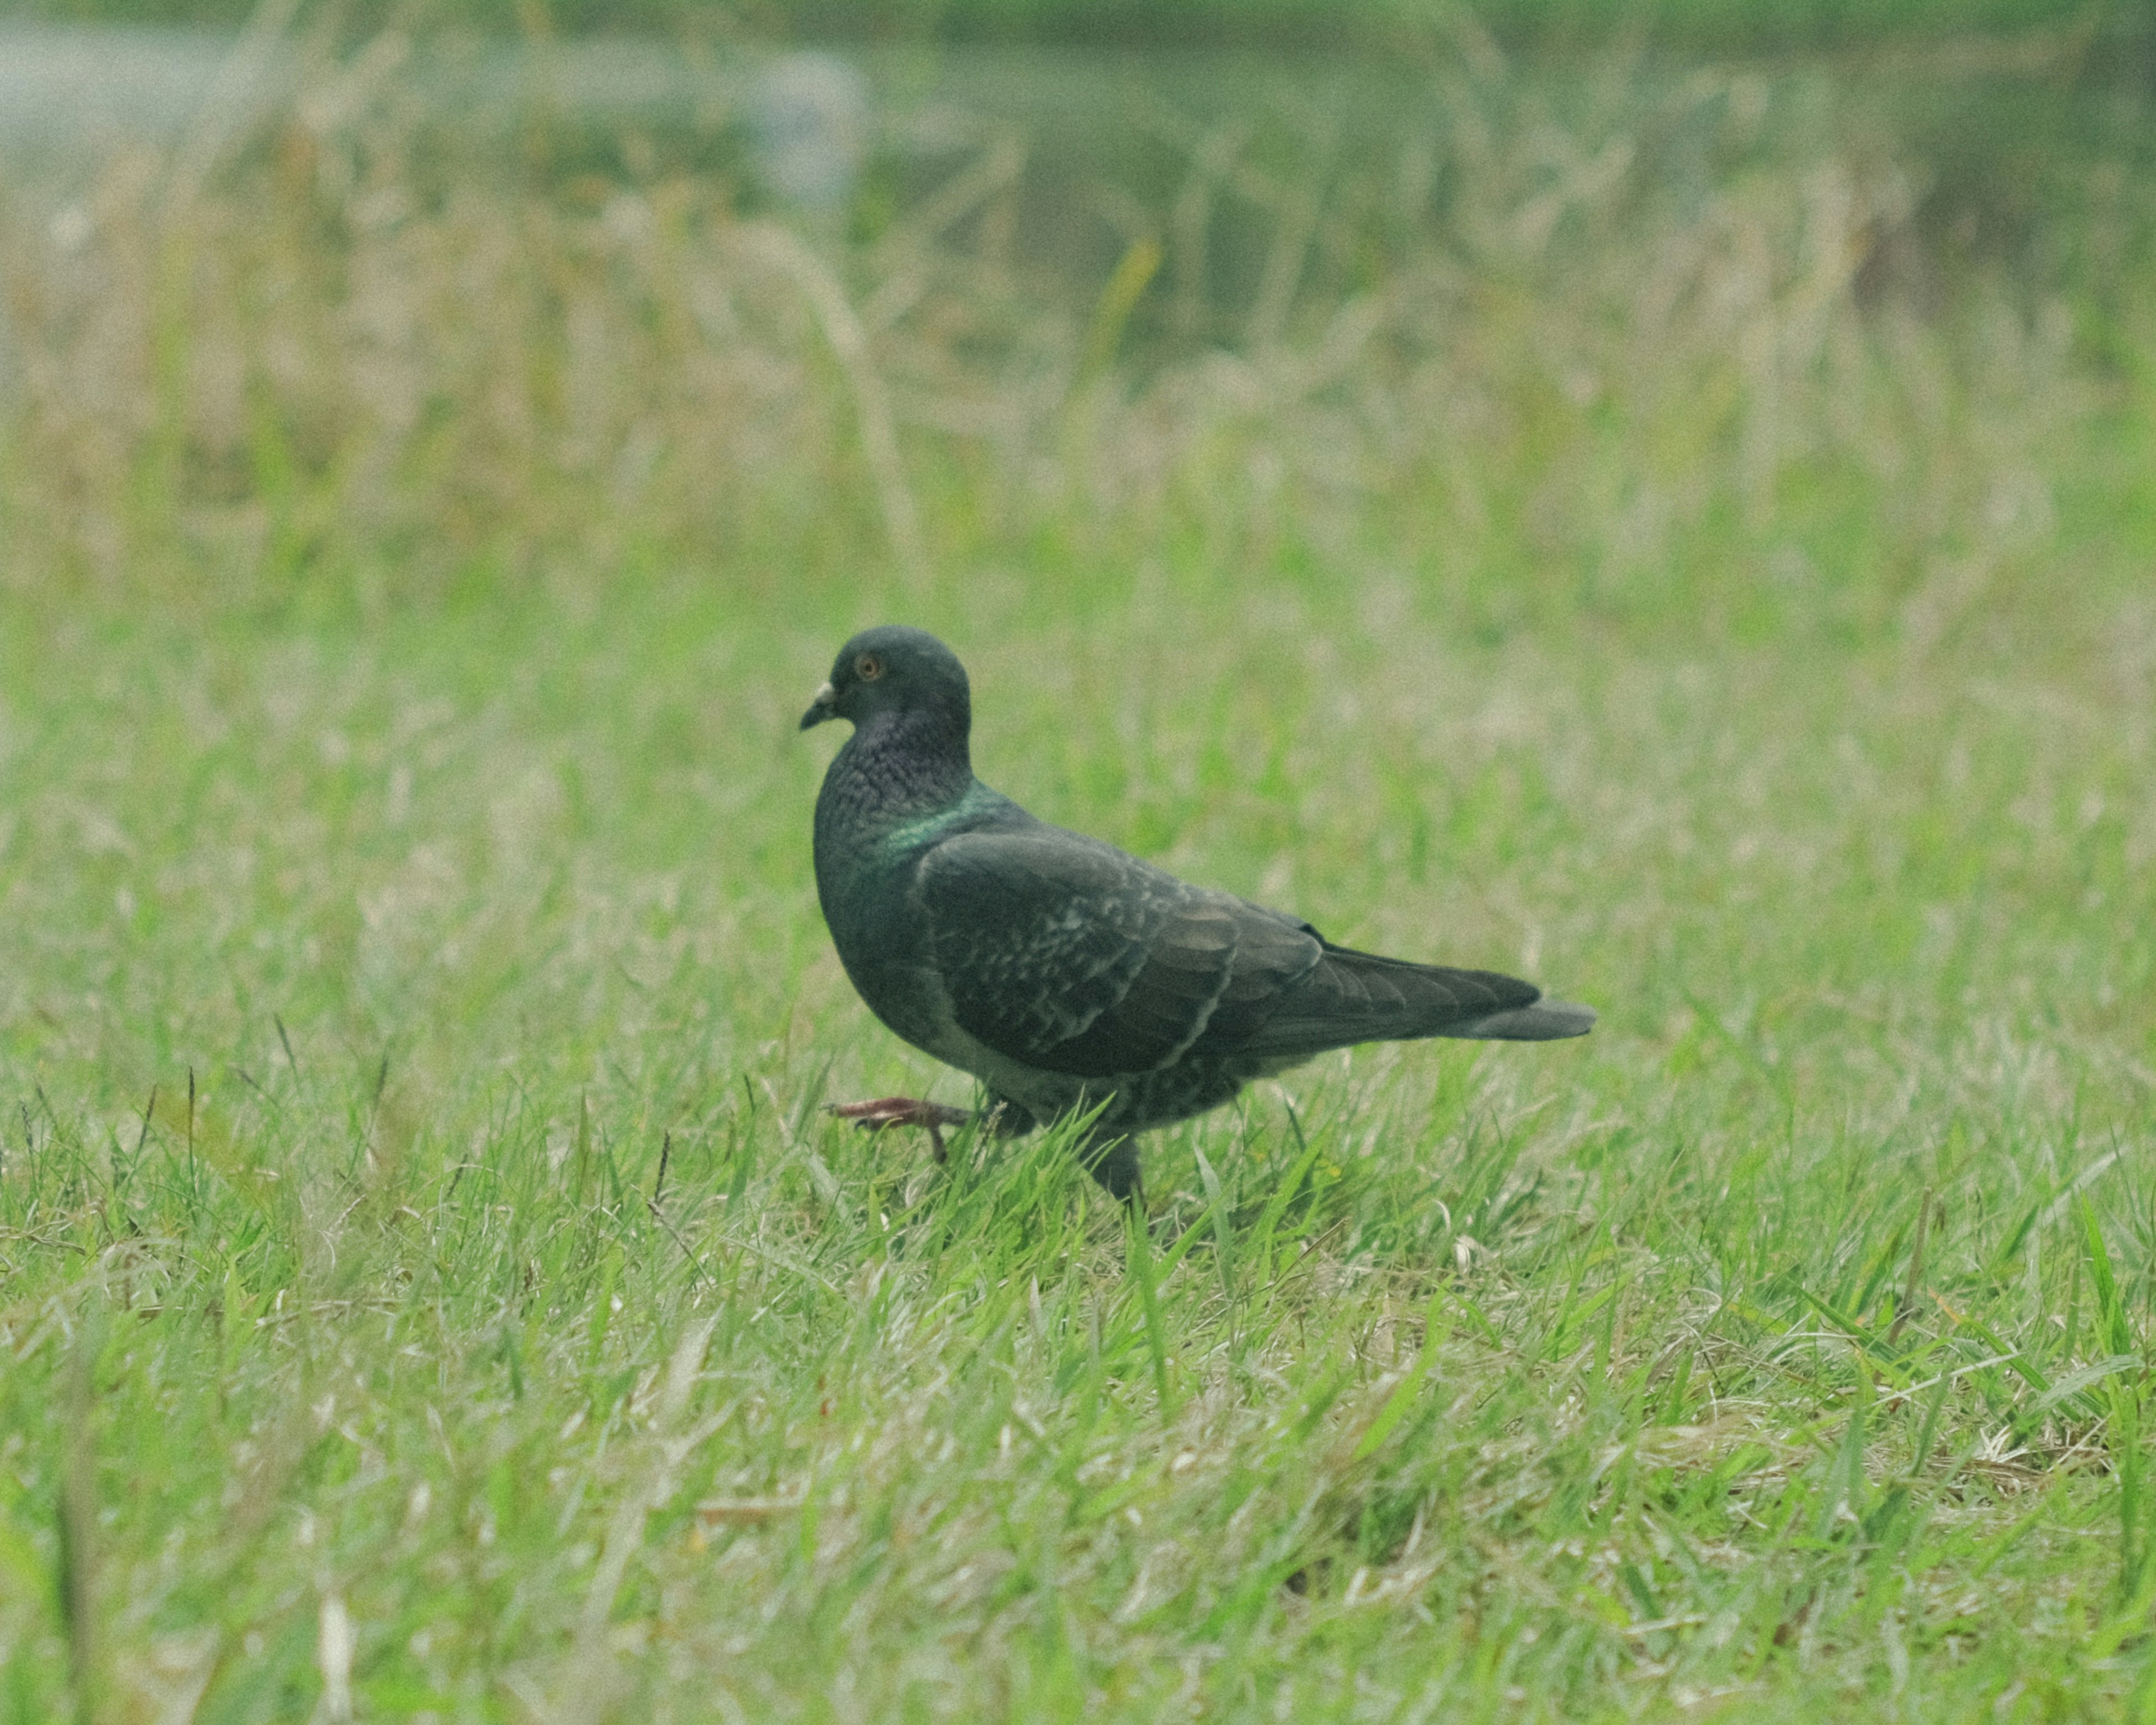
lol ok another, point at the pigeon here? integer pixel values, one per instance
(1069, 976)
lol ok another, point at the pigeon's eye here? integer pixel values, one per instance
(868, 667)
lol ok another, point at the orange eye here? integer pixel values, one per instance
(868, 667)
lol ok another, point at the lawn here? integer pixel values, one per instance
(1649, 536)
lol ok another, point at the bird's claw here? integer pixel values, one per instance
(873, 1116)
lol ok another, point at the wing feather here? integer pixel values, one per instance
(1067, 954)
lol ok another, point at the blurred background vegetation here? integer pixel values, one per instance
(1715, 26)
(1774, 312)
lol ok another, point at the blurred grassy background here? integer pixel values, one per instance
(410, 305)
(1693, 26)
(1669, 513)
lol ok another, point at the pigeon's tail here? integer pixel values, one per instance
(1546, 1021)
(1349, 997)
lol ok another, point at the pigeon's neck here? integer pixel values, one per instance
(897, 771)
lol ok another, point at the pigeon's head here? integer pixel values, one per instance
(894, 669)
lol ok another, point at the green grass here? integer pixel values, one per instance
(428, 1285)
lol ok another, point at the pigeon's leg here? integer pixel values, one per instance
(902, 1110)
(1115, 1165)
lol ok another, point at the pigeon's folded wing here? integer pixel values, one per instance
(1066, 954)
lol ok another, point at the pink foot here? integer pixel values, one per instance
(901, 1111)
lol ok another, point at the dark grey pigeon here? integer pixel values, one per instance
(1061, 972)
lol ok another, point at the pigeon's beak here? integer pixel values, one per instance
(823, 706)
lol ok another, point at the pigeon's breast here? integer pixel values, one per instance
(867, 881)
(876, 927)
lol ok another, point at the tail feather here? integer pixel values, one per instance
(1545, 1021)
(1350, 996)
